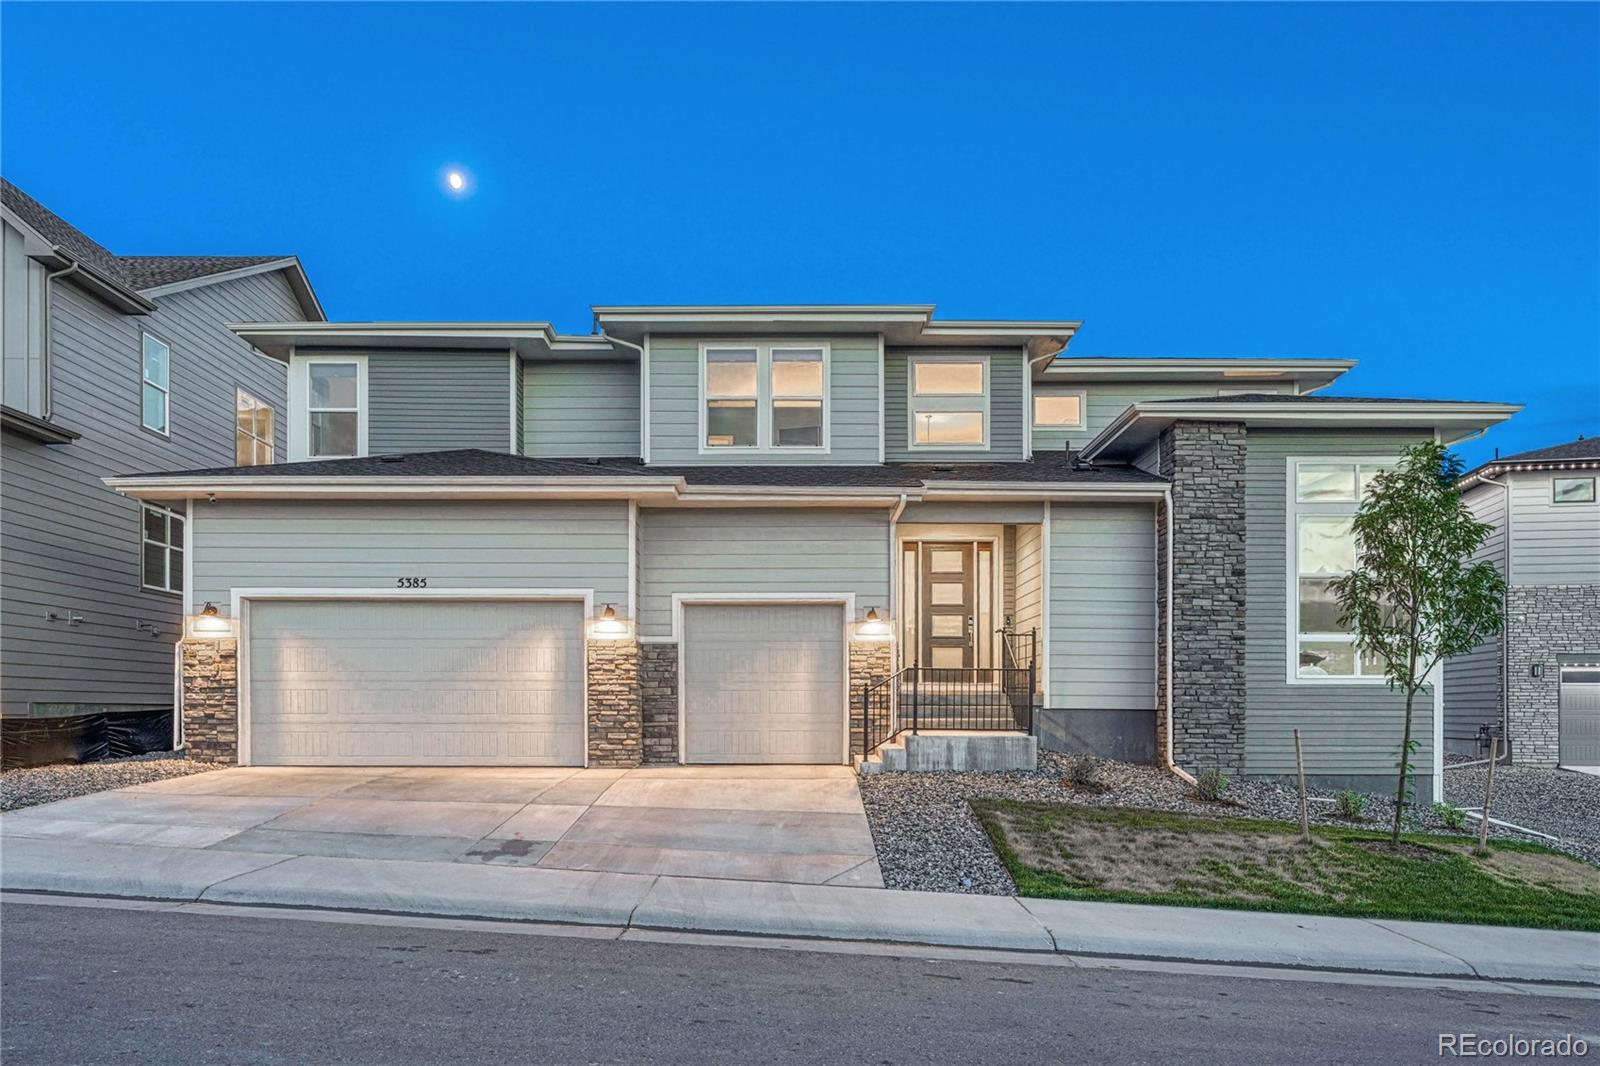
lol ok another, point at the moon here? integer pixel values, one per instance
(456, 181)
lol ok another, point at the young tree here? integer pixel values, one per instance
(1414, 597)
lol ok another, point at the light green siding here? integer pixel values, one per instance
(1105, 400)
(1102, 606)
(456, 545)
(1028, 595)
(674, 382)
(1006, 387)
(580, 410)
(1347, 729)
(759, 550)
(435, 401)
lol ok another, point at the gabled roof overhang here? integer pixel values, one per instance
(1306, 375)
(294, 272)
(1495, 468)
(1141, 424)
(530, 340)
(55, 257)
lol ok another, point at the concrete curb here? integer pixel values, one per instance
(761, 908)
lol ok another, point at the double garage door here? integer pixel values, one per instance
(479, 683)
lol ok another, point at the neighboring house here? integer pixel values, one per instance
(112, 362)
(704, 534)
(1540, 678)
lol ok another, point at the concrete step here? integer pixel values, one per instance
(954, 751)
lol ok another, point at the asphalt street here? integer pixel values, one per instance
(91, 985)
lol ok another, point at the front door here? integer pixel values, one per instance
(948, 605)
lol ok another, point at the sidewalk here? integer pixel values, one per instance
(791, 910)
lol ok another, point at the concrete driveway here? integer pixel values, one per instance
(798, 824)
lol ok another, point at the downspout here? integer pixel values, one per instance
(894, 552)
(1166, 757)
(1027, 399)
(49, 393)
(644, 392)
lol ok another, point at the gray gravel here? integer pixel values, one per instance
(1561, 803)
(34, 785)
(928, 838)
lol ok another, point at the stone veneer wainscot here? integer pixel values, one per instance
(1542, 623)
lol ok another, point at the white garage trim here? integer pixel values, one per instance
(844, 600)
(243, 597)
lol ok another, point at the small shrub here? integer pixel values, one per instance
(1452, 816)
(1351, 806)
(1084, 775)
(1210, 785)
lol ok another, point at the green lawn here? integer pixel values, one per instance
(1060, 851)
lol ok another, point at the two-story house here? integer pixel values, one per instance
(708, 534)
(114, 362)
(1539, 679)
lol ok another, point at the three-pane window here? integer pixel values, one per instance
(333, 412)
(156, 398)
(1326, 495)
(949, 402)
(252, 430)
(765, 397)
(161, 560)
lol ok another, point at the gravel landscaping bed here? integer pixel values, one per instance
(1558, 802)
(928, 838)
(34, 785)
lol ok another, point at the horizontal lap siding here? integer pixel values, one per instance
(1029, 600)
(1005, 408)
(73, 545)
(1105, 400)
(427, 401)
(713, 550)
(580, 410)
(1551, 543)
(1472, 681)
(675, 406)
(1102, 606)
(460, 545)
(1347, 728)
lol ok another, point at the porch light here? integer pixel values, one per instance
(609, 627)
(210, 623)
(873, 628)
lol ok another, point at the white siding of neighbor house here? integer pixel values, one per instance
(1551, 543)
(71, 545)
(759, 550)
(1006, 405)
(675, 406)
(436, 401)
(325, 545)
(1102, 606)
(1472, 692)
(1347, 728)
(580, 410)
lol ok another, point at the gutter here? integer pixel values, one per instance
(49, 279)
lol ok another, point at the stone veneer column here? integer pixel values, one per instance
(1542, 623)
(211, 700)
(616, 729)
(658, 701)
(870, 661)
(1206, 464)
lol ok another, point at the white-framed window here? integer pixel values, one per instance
(1572, 490)
(760, 397)
(327, 406)
(948, 402)
(252, 430)
(156, 385)
(1323, 495)
(1058, 410)
(161, 555)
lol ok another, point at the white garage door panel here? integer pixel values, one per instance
(416, 683)
(763, 684)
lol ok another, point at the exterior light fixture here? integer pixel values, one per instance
(609, 627)
(210, 623)
(873, 628)
(1537, 670)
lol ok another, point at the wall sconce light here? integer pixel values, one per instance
(873, 628)
(210, 623)
(1536, 670)
(609, 627)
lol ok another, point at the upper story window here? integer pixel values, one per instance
(1323, 499)
(157, 388)
(1572, 490)
(327, 407)
(949, 401)
(161, 561)
(252, 430)
(1058, 410)
(762, 397)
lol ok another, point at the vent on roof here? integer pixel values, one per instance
(391, 458)
(594, 460)
(944, 470)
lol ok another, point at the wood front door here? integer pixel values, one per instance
(948, 605)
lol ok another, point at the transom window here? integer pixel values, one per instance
(161, 561)
(764, 397)
(1572, 490)
(1325, 495)
(252, 430)
(157, 385)
(1058, 410)
(333, 410)
(949, 405)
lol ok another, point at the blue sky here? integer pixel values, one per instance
(1417, 187)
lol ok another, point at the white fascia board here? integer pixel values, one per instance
(529, 339)
(1496, 468)
(391, 488)
(1014, 492)
(1243, 369)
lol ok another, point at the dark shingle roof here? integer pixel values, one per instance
(132, 271)
(1283, 397)
(1044, 468)
(1580, 450)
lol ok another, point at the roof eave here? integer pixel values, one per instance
(299, 283)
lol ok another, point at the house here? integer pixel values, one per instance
(1540, 678)
(776, 535)
(114, 362)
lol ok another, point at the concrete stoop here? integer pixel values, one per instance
(936, 752)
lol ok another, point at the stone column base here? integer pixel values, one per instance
(616, 727)
(211, 700)
(658, 701)
(870, 661)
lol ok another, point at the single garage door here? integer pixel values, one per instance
(417, 683)
(1580, 714)
(763, 684)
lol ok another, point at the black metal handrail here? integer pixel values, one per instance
(989, 698)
